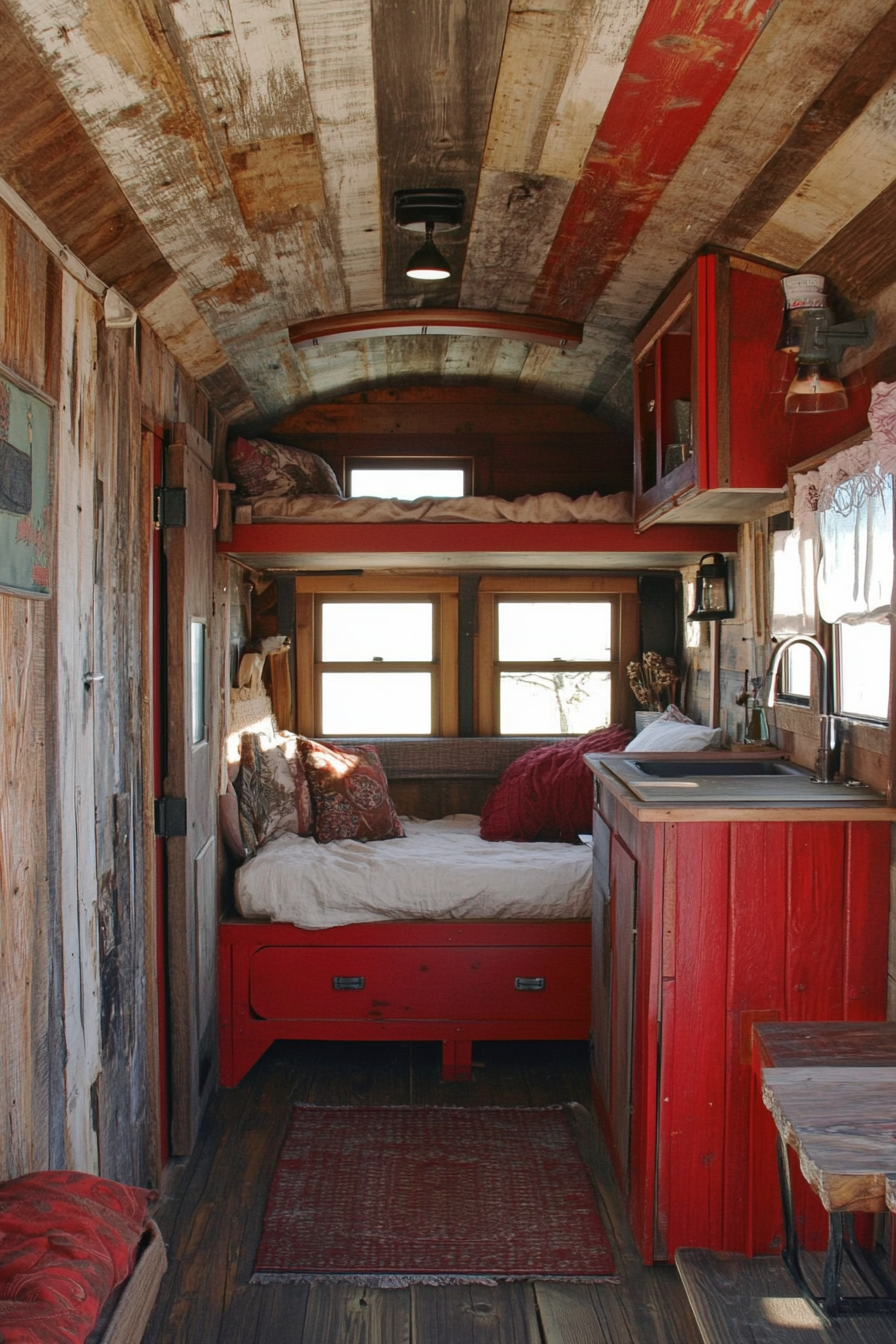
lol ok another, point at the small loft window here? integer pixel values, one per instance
(409, 477)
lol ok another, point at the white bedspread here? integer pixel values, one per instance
(547, 508)
(440, 870)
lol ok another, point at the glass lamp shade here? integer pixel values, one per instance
(712, 594)
(427, 263)
(815, 389)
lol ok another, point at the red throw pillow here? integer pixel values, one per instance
(67, 1239)
(350, 793)
(546, 793)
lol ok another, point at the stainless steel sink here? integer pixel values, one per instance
(738, 766)
(738, 782)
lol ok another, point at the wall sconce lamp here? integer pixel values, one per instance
(713, 598)
(809, 331)
(428, 212)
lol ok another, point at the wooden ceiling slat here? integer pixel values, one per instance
(251, 77)
(521, 414)
(868, 68)
(861, 258)
(681, 62)
(436, 65)
(558, 70)
(858, 167)
(175, 320)
(789, 67)
(122, 72)
(337, 47)
(48, 158)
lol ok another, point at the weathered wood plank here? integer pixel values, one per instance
(857, 168)
(524, 414)
(250, 73)
(559, 68)
(505, 1314)
(790, 66)
(864, 72)
(859, 260)
(444, 59)
(337, 47)
(47, 156)
(175, 320)
(122, 71)
(671, 83)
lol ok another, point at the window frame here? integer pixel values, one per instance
(403, 462)
(312, 589)
(625, 640)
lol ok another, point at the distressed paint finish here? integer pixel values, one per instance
(679, 65)
(559, 67)
(246, 60)
(337, 46)
(789, 67)
(121, 70)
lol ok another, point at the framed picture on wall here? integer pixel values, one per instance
(26, 428)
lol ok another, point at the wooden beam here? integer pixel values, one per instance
(430, 321)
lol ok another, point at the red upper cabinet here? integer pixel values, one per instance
(712, 441)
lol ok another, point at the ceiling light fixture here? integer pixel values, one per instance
(428, 212)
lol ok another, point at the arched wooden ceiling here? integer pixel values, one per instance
(229, 166)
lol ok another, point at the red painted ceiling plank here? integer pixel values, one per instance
(682, 60)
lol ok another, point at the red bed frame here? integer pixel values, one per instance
(452, 982)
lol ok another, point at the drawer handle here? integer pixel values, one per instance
(348, 982)
(529, 982)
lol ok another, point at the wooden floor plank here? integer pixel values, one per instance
(475, 1314)
(735, 1299)
(213, 1211)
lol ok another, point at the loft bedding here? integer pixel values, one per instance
(440, 869)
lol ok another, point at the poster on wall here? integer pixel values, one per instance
(26, 420)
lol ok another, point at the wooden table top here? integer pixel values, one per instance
(781, 1044)
(841, 1122)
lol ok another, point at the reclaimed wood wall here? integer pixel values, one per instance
(520, 444)
(78, 971)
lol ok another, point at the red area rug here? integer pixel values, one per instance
(386, 1196)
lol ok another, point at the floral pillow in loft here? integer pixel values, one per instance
(271, 790)
(350, 793)
(260, 467)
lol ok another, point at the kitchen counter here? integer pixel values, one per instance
(729, 796)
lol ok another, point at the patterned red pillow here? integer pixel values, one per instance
(271, 790)
(259, 467)
(546, 793)
(67, 1239)
(350, 793)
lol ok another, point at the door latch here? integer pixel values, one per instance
(529, 982)
(348, 982)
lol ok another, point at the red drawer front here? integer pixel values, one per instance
(463, 984)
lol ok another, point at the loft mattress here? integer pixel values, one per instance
(440, 870)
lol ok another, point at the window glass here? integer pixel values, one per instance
(547, 631)
(377, 703)
(199, 730)
(553, 703)
(864, 669)
(363, 632)
(796, 672)
(402, 483)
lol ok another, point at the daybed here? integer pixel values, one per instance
(479, 970)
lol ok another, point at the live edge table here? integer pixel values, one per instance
(831, 1089)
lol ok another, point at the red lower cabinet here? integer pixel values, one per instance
(700, 930)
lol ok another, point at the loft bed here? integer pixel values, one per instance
(466, 974)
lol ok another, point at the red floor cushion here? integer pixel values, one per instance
(67, 1239)
(546, 793)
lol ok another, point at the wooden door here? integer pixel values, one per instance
(190, 786)
(623, 923)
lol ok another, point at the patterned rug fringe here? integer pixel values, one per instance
(430, 1280)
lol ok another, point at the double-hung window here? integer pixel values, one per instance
(376, 656)
(550, 652)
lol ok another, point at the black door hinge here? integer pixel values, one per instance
(170, 506)
(170, 817)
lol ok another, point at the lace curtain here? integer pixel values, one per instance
(847, 504)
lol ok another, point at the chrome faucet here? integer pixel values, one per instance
(827, 762)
